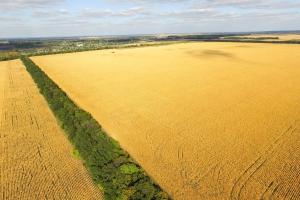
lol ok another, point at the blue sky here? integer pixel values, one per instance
(44, 18)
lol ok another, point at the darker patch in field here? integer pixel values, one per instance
(211, 53)
(217, 53)
(243, 46)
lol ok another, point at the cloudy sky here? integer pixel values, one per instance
(43, 18)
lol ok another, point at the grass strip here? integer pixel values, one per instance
(112, 169)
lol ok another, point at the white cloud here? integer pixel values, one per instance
(249, 4)
(98, 13)
(21, 4)
(43, 18)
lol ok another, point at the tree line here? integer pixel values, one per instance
(112, 168)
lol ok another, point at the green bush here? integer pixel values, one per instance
(112, 169)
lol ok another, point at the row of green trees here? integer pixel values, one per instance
(112, 169)
(252, 38)
(9, 55)
(4, 56)
(104, 47)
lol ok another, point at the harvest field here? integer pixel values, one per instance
(36, 160)
(205, 120)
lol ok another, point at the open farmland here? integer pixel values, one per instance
(205, 120)
(35, 156)
(276, 37)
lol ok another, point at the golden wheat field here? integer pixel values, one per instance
(35, 156)
(205, 120)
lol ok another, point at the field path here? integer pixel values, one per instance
(35, 156)
(205, 120)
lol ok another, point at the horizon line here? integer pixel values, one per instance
(147, 34)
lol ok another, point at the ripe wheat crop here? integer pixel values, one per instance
(205, 120)
(35, 156)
